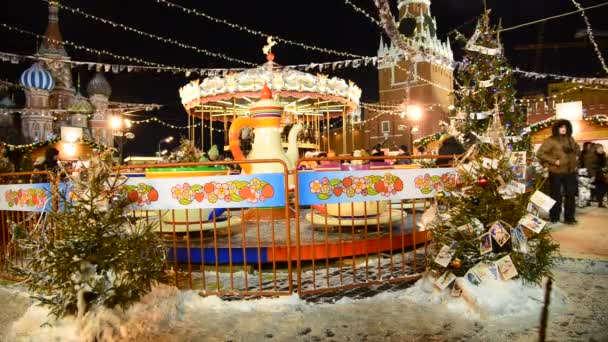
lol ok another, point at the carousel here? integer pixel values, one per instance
(312, 100)
(270, 101)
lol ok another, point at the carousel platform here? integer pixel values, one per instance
(236, 241)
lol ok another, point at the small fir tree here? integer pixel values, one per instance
(90, 252)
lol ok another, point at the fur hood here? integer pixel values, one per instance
(560, 123)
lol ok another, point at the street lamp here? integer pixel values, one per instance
(413, 113)
(119, 125)
(165, 140)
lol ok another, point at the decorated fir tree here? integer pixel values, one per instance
(486, 225)
(89, 252)
(485, 220)
(486, 81)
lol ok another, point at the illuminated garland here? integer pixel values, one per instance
(32, 146)
(390, 27)
(425, 141)
(93, 144)
(157, 120)
(84, 48)
(255, 32)
(439, 86)
(601, 120)
(555, 97)
(590, 34)
(360, 10)
(112, 67)
(538, 75)
(149, 35)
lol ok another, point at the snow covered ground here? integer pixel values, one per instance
(578, 312)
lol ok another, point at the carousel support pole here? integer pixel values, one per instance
(318, 131)
(344, 131)
(352, 132)
(203, 130)
(210, 131)
(225, 130)
(328, 145)
(190, 119)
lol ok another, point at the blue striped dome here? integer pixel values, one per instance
(37, 77)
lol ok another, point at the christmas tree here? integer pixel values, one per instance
(89, 252)
(486, 82)
(486, 223)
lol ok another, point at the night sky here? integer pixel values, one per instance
(325, 23)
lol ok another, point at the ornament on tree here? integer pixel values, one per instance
(475, 201)
(483, 181)
(456, 263)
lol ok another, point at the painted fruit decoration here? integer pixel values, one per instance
(142, 194)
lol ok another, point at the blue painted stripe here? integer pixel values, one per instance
(32, 79)
(223, 255)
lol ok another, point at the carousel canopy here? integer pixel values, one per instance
(231, 95)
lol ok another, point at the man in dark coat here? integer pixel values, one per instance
(449, 147)
(559, 153)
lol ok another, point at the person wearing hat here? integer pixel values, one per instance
(403, 152)
(450, 146)
(559, 154)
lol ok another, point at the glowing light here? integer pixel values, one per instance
(69, 149)
(414, 112)
(115, 122)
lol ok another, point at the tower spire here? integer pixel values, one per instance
(52, 43)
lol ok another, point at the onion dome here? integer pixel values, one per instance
(81, 105)
(99, 85)
(266, 107)
(37, 77)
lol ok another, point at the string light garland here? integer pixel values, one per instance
(425, 141)
(590, 34)
(572, 79)
(132, 105)
(32, 146)
(551, 18)
(115, 68)
(419, 78)
(556, 97)
(84, 48)
(152, 36)
(256, 32)
(152, 66)
(361, 11)
(600, 120)
(390, 27)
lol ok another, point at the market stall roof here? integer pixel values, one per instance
(228, 96)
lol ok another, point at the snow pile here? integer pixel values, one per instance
(162, 310)
(488, 300)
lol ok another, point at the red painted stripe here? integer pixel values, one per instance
(346, 248)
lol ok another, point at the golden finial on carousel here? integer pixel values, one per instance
(267, 49)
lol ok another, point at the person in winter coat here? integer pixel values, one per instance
(403, 152)
(598, 172)
(587, 160)
(449, 146)
(559, 153)
(586, 155)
